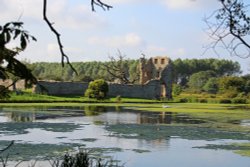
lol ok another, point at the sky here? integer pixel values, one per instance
(173, 28)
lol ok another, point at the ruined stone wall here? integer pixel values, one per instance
(61, 88)
(155, 82)
(159, 68)
(153, 68)
(150, 90)
(167, 79)
(146, 70)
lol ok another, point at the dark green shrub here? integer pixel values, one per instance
(97, 89)
(177, 89)
(230, 94)
(239, 101)
(203, 100)
(192, 100)
(212, 96)
(225, 101)
(183, 100)
(241, 95)
(212, 100)
(211, 85)
(198, 80)
(4, 92)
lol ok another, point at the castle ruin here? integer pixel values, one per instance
(155, 82)
(157, 68)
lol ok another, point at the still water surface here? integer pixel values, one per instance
(137, 139)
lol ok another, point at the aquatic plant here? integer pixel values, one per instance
(82, 158)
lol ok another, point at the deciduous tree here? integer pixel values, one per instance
(229, 28)
(119, 69)
(97, 89)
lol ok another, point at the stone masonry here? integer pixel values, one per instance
(155, 82)
(159, 68)
(151, 90)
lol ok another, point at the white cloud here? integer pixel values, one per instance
(133, 39)
(12, 10)
(154, 50)
(78, 17)
(180, 52)
(52, 49)
(60, 12)
(114, 2)
(178, 4)
(170, 4)
(189, 4)
(127, 40)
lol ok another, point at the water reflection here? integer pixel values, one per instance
(22, 117)
(166, 118)
(100, 114)
(107, 128)
(94, 110)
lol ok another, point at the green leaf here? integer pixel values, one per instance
(2, 43)
(8, 37)
(6, 25)
(23, 42)
(17, 24)
(33, 38)
(17, 32)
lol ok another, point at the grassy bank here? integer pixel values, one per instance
(27, 97)
(210, 98)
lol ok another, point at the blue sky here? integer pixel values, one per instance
(172, 28)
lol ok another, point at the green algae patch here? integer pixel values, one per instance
(14, 128)
(140, 151)
(153, 132)
(29, 151)
(245, 151)
(43, 151)
(86, 139)
(238, 148)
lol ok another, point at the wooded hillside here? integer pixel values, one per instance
(88, 71)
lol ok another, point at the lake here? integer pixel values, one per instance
(135, 138)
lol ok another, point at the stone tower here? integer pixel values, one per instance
(159, 68)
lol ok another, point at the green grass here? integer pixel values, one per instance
(209, 98)
(238, 148)
(244, 152)
(28, 97)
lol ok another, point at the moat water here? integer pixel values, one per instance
(135, 138)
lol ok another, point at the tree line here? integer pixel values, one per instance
(89, 71)
(210, 76)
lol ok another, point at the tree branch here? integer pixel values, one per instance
(64, 56)
(229, 29)
(119, 69)
(99, 3)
